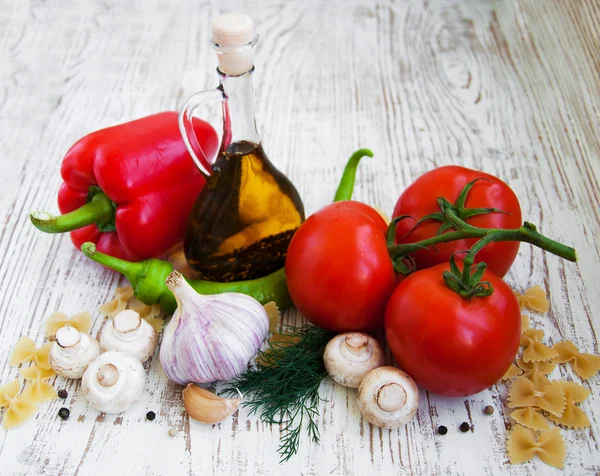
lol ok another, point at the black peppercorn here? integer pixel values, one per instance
(442, 430)
(488, 410)
(464, 427)
(62, 393)
(150, 416)
(64, 413)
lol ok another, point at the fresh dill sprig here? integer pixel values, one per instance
(284, 385)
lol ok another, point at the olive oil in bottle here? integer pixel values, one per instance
(247, 213)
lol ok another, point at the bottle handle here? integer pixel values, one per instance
(187, 130)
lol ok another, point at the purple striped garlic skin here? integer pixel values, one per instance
(212, 337)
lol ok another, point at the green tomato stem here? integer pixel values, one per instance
(526, 233)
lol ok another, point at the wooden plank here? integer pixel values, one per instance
(511, 88)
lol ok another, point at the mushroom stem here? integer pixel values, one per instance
(128, 332)
(388, 397)
(67, 336)
(355, 347)
(391, 397)
(127, 321)
(357, 344)
(349, 357)
(107, 375)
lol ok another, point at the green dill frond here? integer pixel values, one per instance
(284, 385)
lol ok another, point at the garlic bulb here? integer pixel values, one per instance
(210, 337)
(127, 331)
(72, 352)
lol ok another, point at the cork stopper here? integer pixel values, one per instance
(232, 29)
(233, 39)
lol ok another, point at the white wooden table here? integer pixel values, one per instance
(509, 87)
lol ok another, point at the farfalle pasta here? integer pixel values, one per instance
(125, 293)
(119, 303)
(535, 350)
(585, 365)
(276, 341)
(81, 321)
(530, 417)
(274, 316)
(16, 408)
(523, 393)
(534, 391)
(113, 307)
(124, 300)
(525, 324)
(144, 310)
(536, 371)
(149, 313)
(156, 322)
(177, 259)
(26, 351)
(535, 299)
(37, 389)
(523, 446)
(512, 372)
(573, 416)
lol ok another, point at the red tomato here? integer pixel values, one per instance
(339, 273)
(450, 345)
(420, 199)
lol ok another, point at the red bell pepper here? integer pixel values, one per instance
(130, 188)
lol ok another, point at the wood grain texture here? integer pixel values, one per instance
(509, 87)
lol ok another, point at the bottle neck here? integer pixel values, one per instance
(239, 123)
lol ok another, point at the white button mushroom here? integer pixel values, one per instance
(388, 397)
(72, 352)
(113, 382)
(130, 333)
(349, 357)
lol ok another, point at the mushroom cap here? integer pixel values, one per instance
(348, 357)
(128, 332)
(72, 360)
(127, 387)
(388, 397)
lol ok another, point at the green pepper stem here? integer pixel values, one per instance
(99, 210)
(130, 269)
(346, 186)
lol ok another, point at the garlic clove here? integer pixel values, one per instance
(72, 352)
(206, 407)
(388, 397)
(128, 332)
(113, 382)
(348, 357)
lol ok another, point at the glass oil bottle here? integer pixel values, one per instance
(246, 215)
